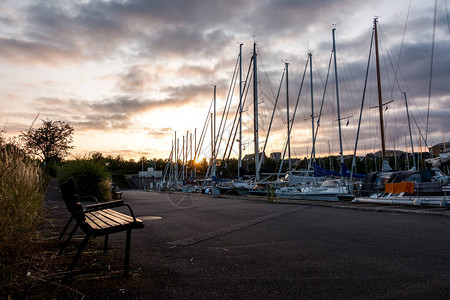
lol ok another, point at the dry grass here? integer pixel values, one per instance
(22, 188)
(40, 270)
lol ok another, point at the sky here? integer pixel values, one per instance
(127, 75)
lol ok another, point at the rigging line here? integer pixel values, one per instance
(318, 73)
(264, 71)
(431, 70)
(348, 74)
(391, 86)
(271, 120)
(226, 109)
(247, 120)
(323, 96)
(205, 126)
(226, 118)
(281, 117)
(323, 99)
(403, 39)
(235, 126)
(245, 92)
(293, 117)
(448, 21)
(412, 99)
(262, 94)
(324, 84)
(362, 105)
(261, 53)
(347, 70)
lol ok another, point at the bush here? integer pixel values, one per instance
(22, 188)
(90, 177)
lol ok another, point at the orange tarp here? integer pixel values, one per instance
(399, 187)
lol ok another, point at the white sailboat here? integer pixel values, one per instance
(328, 190)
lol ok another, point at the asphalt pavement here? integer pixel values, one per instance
(197, 246)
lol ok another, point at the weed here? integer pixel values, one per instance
(22, 188)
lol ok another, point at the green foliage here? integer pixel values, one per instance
(90, 177)
(22, 187)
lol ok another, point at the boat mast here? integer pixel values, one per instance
(183, 161)
(287, 116)
(176, 161)
(210, 168)
(255, 113)
(240, 112)
(214, 136)
(192, 158)
(337, 101)
(312, 115)
(380, 96)
(410, 134)
(195, 154)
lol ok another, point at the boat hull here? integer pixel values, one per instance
(440, 201)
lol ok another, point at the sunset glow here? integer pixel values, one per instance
(127, 75)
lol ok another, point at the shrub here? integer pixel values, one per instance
(90, 177)
(22, 188)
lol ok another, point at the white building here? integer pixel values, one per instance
(150, 173)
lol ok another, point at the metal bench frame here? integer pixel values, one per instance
(97, 220)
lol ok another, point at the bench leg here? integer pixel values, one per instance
(80, 250)
(106, 243)
(65, 228)
(63, 247)
(127, 254)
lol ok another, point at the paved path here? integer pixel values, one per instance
(196, 246)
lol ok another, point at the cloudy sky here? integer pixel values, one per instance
(128, 74)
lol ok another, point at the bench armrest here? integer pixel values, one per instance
(131, 211)
(87, 198)
(104, 205)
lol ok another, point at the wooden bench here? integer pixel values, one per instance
(116, 194)
(97, 220)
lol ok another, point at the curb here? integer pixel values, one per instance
(365, 208)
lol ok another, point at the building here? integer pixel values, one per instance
(439, 148)
(251, 157)
(275, 156)
(150, 173)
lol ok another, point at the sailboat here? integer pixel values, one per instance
(414, 187)
(331, 189)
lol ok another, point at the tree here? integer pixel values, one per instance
(51, 142)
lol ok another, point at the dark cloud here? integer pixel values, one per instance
(191, 93)
(182, 42)
(136, 79)
(194, 42)
(30, 52)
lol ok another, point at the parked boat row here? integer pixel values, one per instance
(425, 187)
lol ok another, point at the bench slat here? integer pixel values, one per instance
(113, 218)
(108, 219)
(95, 222)
(125, 217)
(99, 221)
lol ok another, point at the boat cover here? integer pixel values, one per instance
(319, 172)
